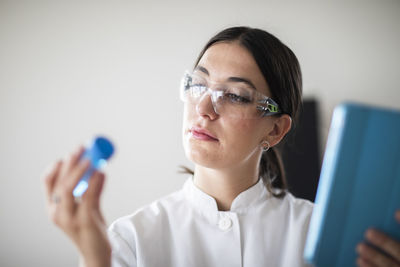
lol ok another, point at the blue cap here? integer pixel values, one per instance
(99, 151)
(103, 148)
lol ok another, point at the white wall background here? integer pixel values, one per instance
(72, 69)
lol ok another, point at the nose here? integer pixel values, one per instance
(205, 107)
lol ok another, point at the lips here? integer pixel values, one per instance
(202, 134)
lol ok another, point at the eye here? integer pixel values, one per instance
(198, 84)
(194, 85)
(197, 90)
(198, 81)
(234, 98)
(238, 95)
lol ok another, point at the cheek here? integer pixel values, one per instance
(240, 129)
(188, 116)
(236, 136)
(245, 136)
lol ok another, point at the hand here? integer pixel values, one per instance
(369, 256)
(81, 220)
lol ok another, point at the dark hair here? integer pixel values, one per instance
(281, 70)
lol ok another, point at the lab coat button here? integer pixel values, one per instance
(224, 224)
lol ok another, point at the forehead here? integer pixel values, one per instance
(224, 60)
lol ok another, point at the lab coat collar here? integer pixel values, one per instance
(245, 202)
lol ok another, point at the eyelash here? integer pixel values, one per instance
(237, 98)
(234, 98)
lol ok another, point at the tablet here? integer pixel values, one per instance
(359, 184)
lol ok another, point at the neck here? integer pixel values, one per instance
(224, 185)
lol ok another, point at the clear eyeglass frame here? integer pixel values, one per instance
(230, 99)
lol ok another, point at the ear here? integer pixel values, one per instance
(281, 126)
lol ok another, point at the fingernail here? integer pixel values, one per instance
(359, 248)
(398, 216)
(79, 150)
(85, 162)
(370, 234)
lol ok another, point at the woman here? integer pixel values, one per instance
(234, 210)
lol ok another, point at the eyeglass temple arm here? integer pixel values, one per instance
(270, 108)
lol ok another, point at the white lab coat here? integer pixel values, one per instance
(186, 229)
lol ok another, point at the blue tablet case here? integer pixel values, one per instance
(359, 185)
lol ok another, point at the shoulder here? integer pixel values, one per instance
(299, 203)
(144, 226)
(295, 208)
(149, 216)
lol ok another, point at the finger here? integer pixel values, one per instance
(71, 160)
(50, 177)
(364, 263)
(92, 195)
(373, 256)
(384, 242)
(98, 192)
(76, 174)
(398, 216)
(67, 202)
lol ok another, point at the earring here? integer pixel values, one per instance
(265, 145)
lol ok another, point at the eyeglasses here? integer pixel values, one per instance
(229, 99)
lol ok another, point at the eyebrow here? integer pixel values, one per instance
(230, 79)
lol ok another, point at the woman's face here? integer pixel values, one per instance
(217, 141)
